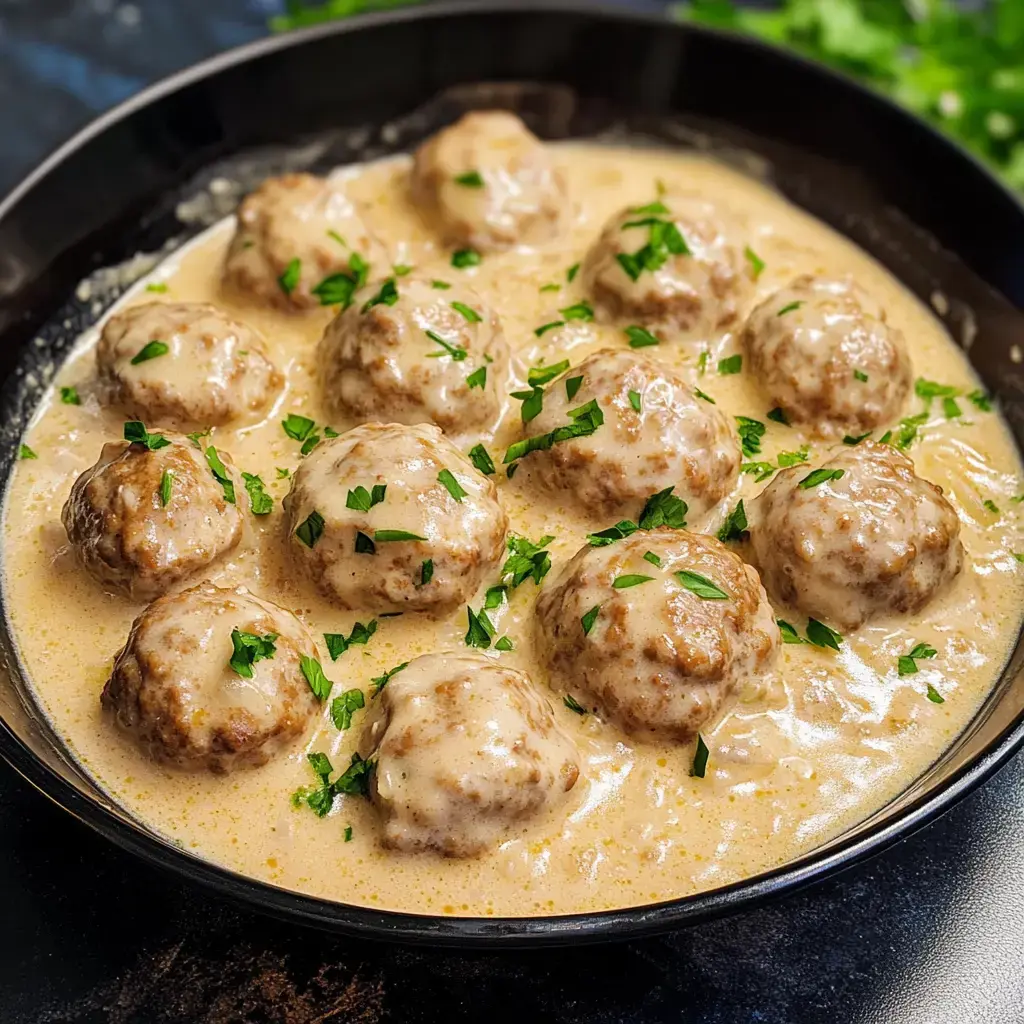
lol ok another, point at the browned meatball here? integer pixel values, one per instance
(658, 648)
(824, 353)
(133, 540)
(466, 751)
(174, 690)
(370, 509)
(186, 362)
(295, 232)
(489, 183)
(872, 540)
(656, 434)
(381, 363)
(672, 266)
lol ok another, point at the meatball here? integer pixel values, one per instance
(186, 362)
(389, 517)
(490, 183)
(872, 540)
(824, 353)
(466, 749)
(143, 518)
(658, 644)
(293, 233)
(673, 439)
(669, 266)
(175, 691)
(381, 363)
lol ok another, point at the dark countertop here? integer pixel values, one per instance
(932, 931)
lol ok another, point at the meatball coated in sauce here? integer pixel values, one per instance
(675, 266)
(382, 365)
(184, 362)
(489, 182)
(466, 751)
(173, 689)
(294, 232)
(656, 658)
(358, 556)
(824, 353)
(124, 533)
(876, 541)
(674, 440)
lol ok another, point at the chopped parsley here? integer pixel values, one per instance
(907, 432)
(401, 269)
(379, 682)
(426, 572)
(663, 509)
(469, 314)
(478, 378)
(363, 544)
(463, 258)
(314, 673)
(259, 501)
(338, 643)
(151, 350)
(979, 399)
(820, 476)
(572, 386)
(635, 400)
(440, 285)
(730, 365)
(853, 439)
(136, 433)
(481, 629)
(821, 636)
(354, 781)
(550, 287)
(311, 529)
(778, 415)
(69, 396)
(650, 556)
(701, 586)
(533, 402)
(700, 759)
(526, 560)
(929, 389)
(338, 289)
(158, 287)
(578, 311)
(570, 274)
(539, 375)
(755, 261)
(787, 459)
(197, 435)
(861, 376)
(991, 506)
(348, 833)
(934, 696)
(471, 179)
(906, 664)
(248, 648)
(735, 525)
(759, 470)
(480, 458)
(544, 328)
(495, 596)
(220, 473)
(751, 431)
(290, 278)
(165, 486)
(298, 427)
(588, 620)
(950, 408)
(702, 362)
(505, 643)
(663, 239)
(343, 707)
(387, 296)
(789, 633)
(640, 337)
(390, 536)
(623, 528)
(359, 499)
(457, 353)
(788, 308)
(451, 485)
(630, 580)
(704, 396)
(573, 704)
(585, 421)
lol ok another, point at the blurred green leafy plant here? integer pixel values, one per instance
(300, 13)
(960, 67)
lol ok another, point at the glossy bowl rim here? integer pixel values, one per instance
(484, 932)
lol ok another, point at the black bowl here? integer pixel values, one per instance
(379, 84)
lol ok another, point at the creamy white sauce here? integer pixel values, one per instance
(799, 757)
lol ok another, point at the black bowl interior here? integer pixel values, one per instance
(379, 85)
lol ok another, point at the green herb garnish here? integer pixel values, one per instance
(248, 648)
